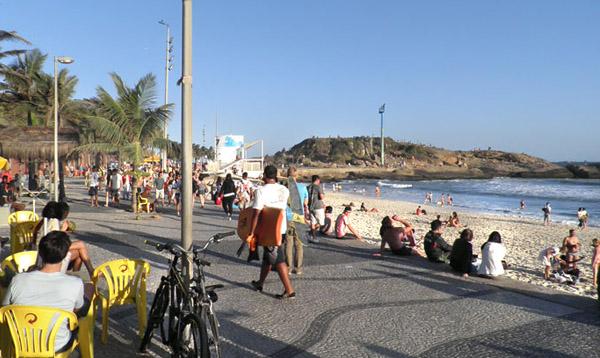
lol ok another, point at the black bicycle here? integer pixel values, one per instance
(190, 307)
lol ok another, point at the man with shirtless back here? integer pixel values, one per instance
(397, 237)
(571, 248)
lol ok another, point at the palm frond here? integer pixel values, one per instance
(12, 36)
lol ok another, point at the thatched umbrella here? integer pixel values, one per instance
(36, 143)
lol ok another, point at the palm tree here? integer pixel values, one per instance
(128, 124)
(11, 36)
(27, 97)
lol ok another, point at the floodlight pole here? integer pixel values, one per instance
(186, 136)
(168, 60)
(381, 111)
(66, 61)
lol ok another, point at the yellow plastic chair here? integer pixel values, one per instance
(22, 216)
(20, 262)
(86, 332)
(141, 203)
(126, 284)
(21, 234)
(33, 329)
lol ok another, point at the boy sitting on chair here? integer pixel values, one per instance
(49, 287)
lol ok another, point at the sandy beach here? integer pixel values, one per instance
(524, 238)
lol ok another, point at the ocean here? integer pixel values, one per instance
(497, 196)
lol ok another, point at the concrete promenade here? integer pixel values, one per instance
(349, 304)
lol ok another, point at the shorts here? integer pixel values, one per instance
(160, 193)
(403, 251)
(317, 216)
(93, 191)
(273, 255)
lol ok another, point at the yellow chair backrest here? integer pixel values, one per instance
(20, 262)
(124, 278)
(22, 216)
(33, 329)
(21, 234)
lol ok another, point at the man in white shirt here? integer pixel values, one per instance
(272, 195)
(94, 182)
(49, 287)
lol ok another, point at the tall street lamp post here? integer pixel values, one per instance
(168, 67)
(381, 111)
(64, 60)
(186, 135)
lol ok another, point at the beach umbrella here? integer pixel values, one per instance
(4, 165)
(36, 143)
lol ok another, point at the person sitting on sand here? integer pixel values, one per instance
(364, 209)
(327, 228)
(420, 211)
(461, 256)
(571, 248)
(549, 257)
(436, 248)
(595, 261)
(453, 221)
(492, 254)
(396, 238)
(342, 224)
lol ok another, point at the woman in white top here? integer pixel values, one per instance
(492, 254)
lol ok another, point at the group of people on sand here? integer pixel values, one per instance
(460, 256)
(560, 262)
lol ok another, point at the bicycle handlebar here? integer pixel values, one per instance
(177, 250)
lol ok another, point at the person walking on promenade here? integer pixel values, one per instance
(94, 182)
(228, 191)
(272, 195)
(316, 207)
(298, 204)
(159, 188)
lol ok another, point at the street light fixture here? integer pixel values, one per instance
(65, 61)
(381, 111)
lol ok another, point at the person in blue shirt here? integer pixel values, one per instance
(296, 212)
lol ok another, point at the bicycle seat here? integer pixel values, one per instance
(214, 287)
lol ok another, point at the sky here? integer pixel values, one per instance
(521, 76)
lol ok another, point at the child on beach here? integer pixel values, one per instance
(549, 257)
(454, 221)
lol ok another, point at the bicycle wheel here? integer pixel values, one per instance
(156, 315)
(193, 339)
(213, 333)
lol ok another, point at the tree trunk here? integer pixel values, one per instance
(61, 181)
(32, 170)
(134, 186)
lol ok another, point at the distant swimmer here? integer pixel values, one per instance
(450, 200)
(442, 200)
(377, 190)
(522, 205)
(428, 198)
(547, 209)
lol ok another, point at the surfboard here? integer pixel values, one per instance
(268, 229)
